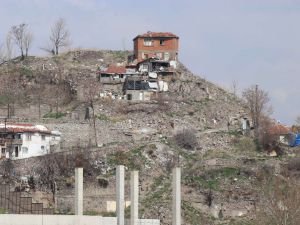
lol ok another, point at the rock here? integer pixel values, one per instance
(273, 154)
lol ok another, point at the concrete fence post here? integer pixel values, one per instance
(134, 197)
(78, 191)
(120, 195)
(176, 203)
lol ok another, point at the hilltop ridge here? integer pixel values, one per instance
(141, 134)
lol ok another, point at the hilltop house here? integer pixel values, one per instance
(149, 70)
(281, 131)
(19, 141)
(161, 45)
(112, 75)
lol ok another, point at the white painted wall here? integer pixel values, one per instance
(36, 145)
(17, 219)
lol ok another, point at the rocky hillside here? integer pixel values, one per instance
(195, 126)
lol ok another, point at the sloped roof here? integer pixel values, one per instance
(115, 69)
(22, 128)
(279, 129)
(150, 34)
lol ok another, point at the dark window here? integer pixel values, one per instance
(43, 137)
(129, 96)
(16, 151)
(162, 42)
(147, 42)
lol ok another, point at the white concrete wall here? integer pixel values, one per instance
(34, 145)
(16, 219)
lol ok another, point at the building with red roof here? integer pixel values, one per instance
(19, 141)
(161, 45)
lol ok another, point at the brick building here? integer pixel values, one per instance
(162, 45)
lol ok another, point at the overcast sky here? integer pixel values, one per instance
(250, 42)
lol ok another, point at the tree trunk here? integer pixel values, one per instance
(56, 50)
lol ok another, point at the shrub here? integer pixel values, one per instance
(103, 183)
(294, 164)
(186, 138)
(31, 182)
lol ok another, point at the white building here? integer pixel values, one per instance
(19, 141)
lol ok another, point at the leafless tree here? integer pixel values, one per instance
(59, 36)
(6, 50)
(280, 202)
(186, 138)
(10, 92)
(257, 102)
(91, 89)
(9, 47)
(27, 42)
(22, 38)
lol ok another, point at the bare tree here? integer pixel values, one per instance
(280, 202)
(59, 36)
(27, 42)
(6, 49)
(186, 138)
(91, 88)
(9, 47)
(22, 38)
(10, 92)
(257, 102)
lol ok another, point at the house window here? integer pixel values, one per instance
(147, 42)
(24, 150)
(43, 137)
(42, 147)
(3, 151)
(162, 42)
(28, 137)
(16, 136)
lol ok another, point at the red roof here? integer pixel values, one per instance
(115, 69)
(21, 128)
(150, 34)
(279, 129)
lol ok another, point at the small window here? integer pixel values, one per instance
(43, 147)
(129, 96)
(147, 42)
(43, 137)
(3, 151)
(162, 42)
(24, 150)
